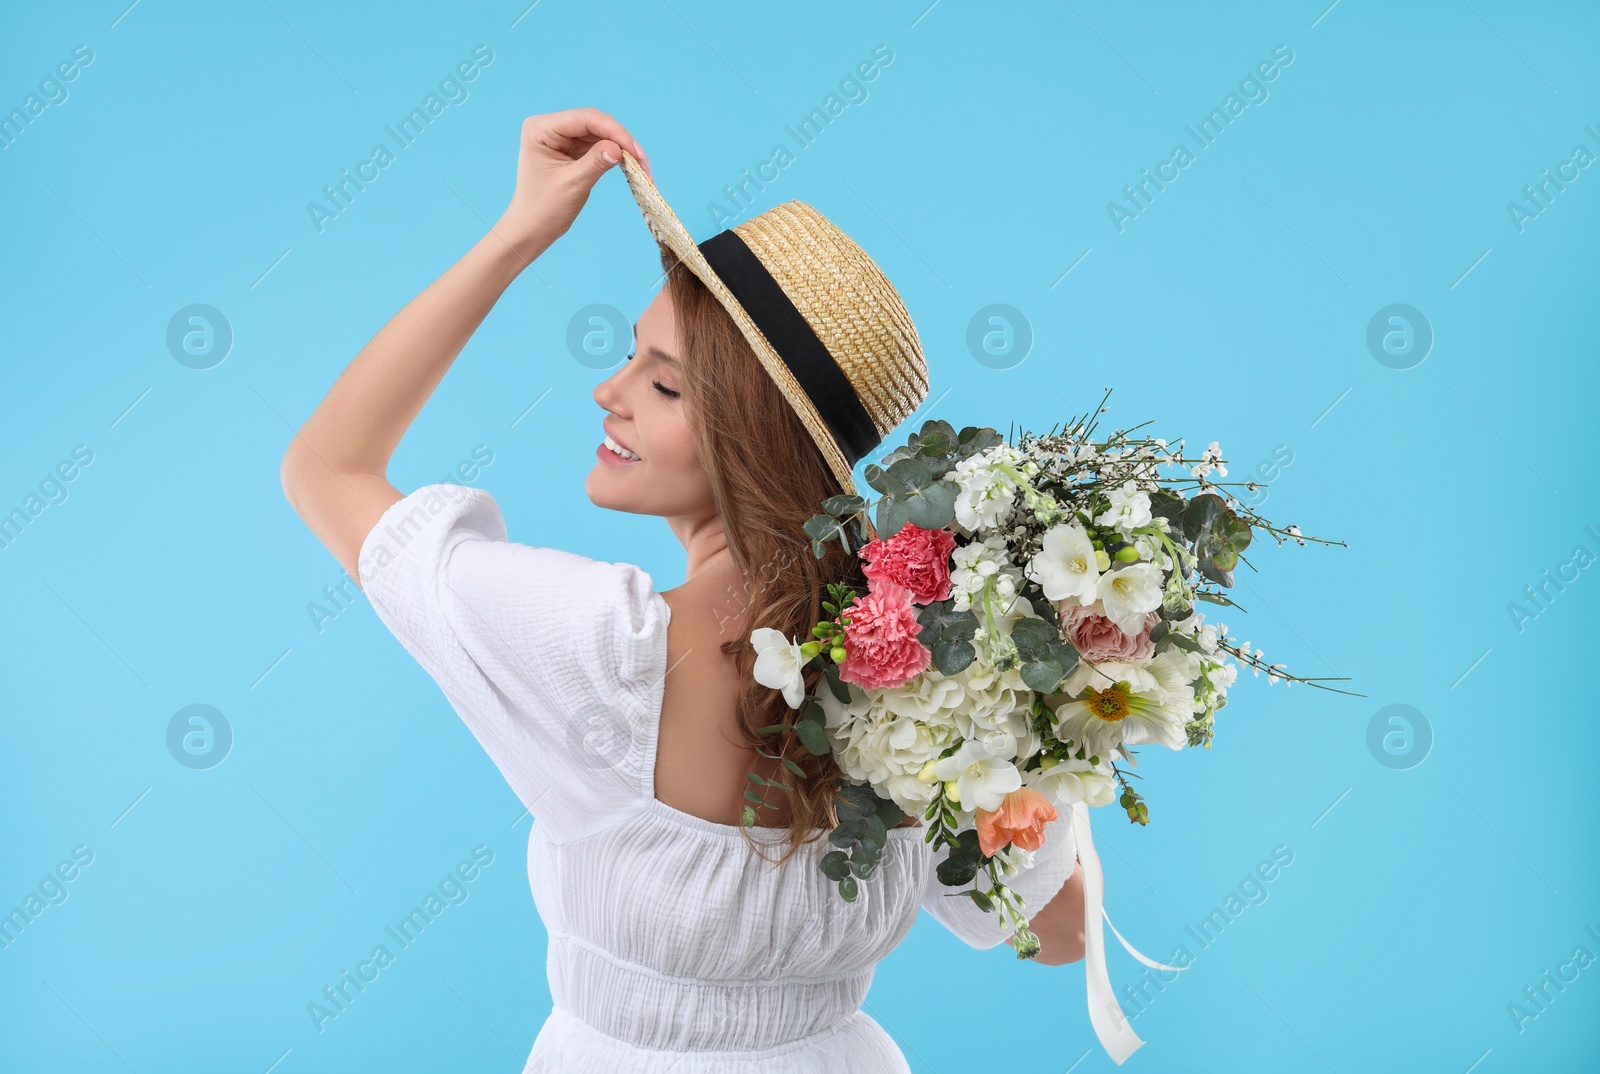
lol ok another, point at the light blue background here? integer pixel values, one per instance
(1420, 902)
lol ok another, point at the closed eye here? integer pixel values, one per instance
(658, 386)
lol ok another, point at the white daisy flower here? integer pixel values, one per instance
(1121, 703)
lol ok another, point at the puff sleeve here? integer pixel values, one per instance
(554, 661)
(1053, 865)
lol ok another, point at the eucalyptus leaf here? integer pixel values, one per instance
(889, 813)
(965, 846)
(1201, 512)
(940, 620)
(953, 872)
(1035, 639)
(1042, 676)
(1067, 657)
(813, 737)
(841, 690)
(822, 527)
(912, 474)
(846, 833)
(835, 865)
(951, 655)
(1164, 503)
(843, 505)
(935, 443)
(875, 831)
(893, 513)
(934, 506)
(891, 482)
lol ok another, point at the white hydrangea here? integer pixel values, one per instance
(997, 703)
(888, 737)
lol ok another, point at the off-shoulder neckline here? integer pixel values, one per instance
(653, 738)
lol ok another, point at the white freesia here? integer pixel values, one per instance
(778, 664)
(1066, 566)
(1128, 594)
(1070, 781)
(1104, 718)
(982, 779)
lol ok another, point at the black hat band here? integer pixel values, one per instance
(796, 342)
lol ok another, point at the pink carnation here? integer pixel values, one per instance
(916, 558)
(1098, 639)
(881, 639)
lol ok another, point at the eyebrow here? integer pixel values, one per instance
(656, 352)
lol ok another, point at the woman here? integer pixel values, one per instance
(624, 718)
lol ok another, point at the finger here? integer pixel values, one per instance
(586, 123)
(602, 155)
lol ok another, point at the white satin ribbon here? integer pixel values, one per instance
(1105, 1014)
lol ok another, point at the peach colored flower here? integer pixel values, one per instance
(1099, 640)
(1020, 819)
(881, 639)
(916, 558)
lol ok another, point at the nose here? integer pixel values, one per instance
(607, 392)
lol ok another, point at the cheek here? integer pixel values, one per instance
(675, 449)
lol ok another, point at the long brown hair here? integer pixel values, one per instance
(767, 477)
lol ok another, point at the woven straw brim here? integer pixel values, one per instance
(838, 289)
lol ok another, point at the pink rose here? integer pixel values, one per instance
(1098, 639)
(916, 558)
(881, 639)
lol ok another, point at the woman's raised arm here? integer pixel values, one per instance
(334, 472)
(1059, 924)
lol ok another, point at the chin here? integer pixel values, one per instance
(603, 493)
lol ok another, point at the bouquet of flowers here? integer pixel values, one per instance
(1032, 614)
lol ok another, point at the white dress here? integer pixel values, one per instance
(673, 945)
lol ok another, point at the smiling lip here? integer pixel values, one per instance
(606, 455)
(611, 458)
(626, 446)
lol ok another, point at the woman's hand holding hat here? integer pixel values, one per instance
(561, 156)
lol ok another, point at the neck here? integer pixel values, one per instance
(707, 545)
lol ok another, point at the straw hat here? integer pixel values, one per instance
(823, 318)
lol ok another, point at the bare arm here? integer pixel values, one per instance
(1059, 925)
(334, 472)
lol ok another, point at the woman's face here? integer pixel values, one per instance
(645, 416)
